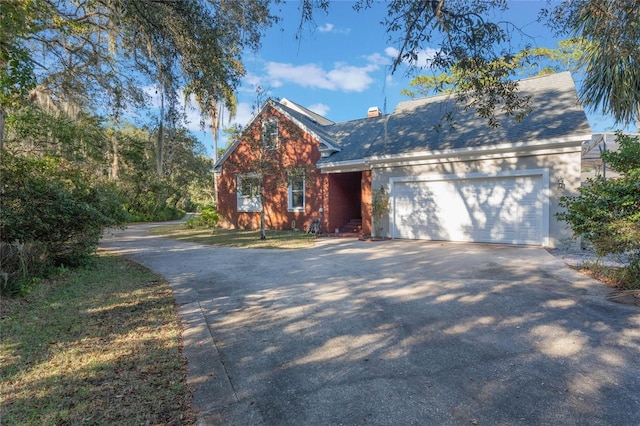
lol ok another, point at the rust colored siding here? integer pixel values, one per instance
(298, 149)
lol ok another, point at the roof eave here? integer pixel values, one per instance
(343, 166)
(550, 146)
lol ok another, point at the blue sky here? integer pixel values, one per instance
(340, 65)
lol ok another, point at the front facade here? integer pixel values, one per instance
(462, 181)
(295, 190)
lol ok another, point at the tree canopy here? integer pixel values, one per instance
(471, 43)
(102, 54)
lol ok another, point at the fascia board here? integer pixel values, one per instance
(546, 146)
(343, 166)
(306, 129)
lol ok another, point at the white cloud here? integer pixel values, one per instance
(378, 59)
(343, 77)
(321, 109)
(391, 51)
(252, 81)
(326, 28)
(243, 114)
(350, 78)
(390, 81)
(424, 56)
(330, 28)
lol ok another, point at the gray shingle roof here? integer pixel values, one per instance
(556, 113)
(418, 126)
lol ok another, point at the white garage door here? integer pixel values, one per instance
(506, 209)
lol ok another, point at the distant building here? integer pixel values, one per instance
(592, 164)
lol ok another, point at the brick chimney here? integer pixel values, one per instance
(374, 111)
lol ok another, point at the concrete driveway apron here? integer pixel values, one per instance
(396, 332)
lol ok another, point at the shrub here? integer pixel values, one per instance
(20, 263)
(208, 218)
(606, 212)
(50, 202)
(379, 209)
(192, 222)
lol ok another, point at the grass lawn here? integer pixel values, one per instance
(613, 276)
(236, 238)
(98, 345)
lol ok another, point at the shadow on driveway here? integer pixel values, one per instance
(396, 332)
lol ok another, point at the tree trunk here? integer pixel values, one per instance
(215, 128)
(160, 148)
(2, 120)
(263, 233)
(160, 139)
(115, 164)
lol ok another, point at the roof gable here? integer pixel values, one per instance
(298, 116)
(323, 121)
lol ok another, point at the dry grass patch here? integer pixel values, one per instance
(100, 345)
(235, 238)
(624, 281)
(613, 276)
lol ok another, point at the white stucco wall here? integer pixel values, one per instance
(562, 166)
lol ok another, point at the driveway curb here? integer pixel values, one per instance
(206, 375)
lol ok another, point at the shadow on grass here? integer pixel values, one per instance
(99, 345)
(235, 238)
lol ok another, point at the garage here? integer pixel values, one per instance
(507, 209)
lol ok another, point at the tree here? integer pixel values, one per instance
(214, 113)
(50, 201)
(379, 209)
(69, 71)
(16, 69)
(612, 61)
(101, 53)
(468, 41)
(567, 56)
(149, 197)
(606, 212)
(460, 35)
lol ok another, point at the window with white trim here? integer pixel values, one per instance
(296, 193)
(248, 193)
(270, 133)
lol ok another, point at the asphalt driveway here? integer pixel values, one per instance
(396, 332)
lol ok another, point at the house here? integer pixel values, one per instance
(451, 180)
(592, 164)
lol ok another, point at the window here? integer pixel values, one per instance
(270, 133)
(248, 193)
(296, 193)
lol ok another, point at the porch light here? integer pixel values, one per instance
(561, 184)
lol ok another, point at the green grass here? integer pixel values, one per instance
(614, 276)
(99, 345)
(236, 238)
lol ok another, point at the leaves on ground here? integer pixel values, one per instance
(100, 345)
